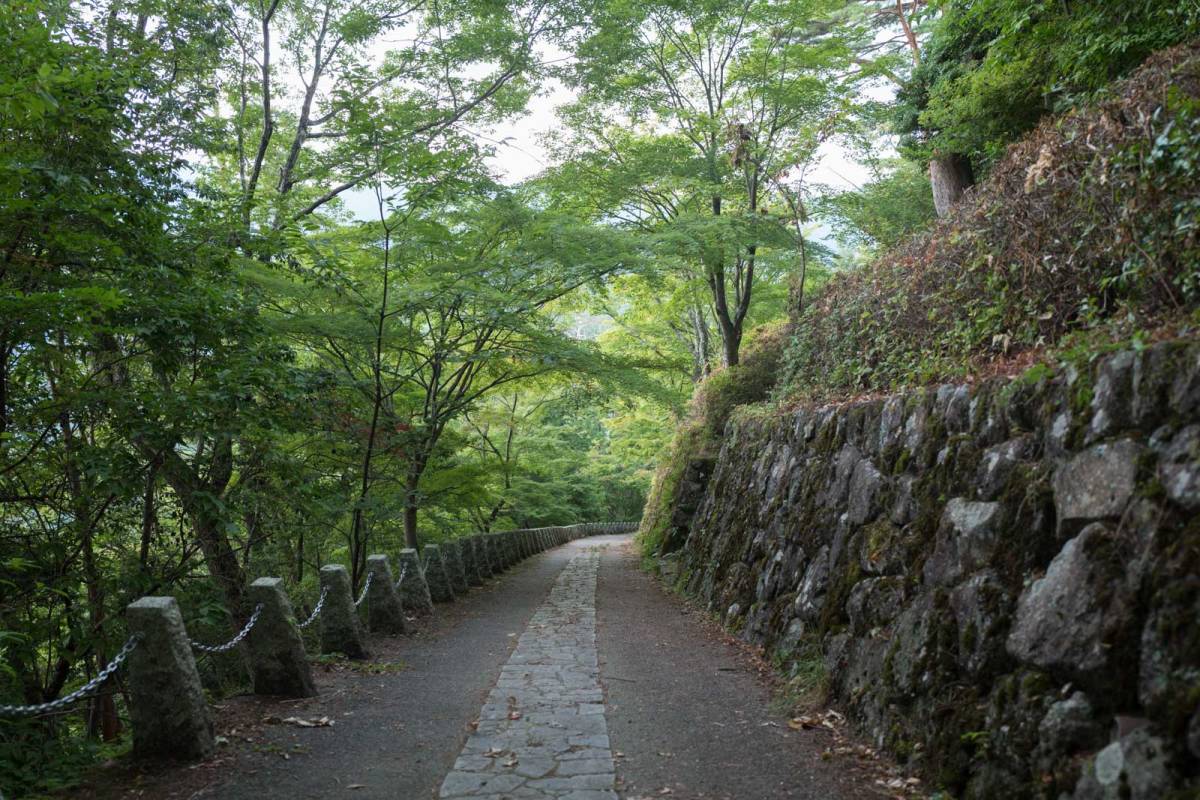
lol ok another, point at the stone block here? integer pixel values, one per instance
(278, 663)
(455, 568)
(340, 628)
(168, 712)
(967, 537)
(441, 589)
(414, 590)
(1097, 483)
(1074, 619)
(470, 559)
(385, 612)
(482, 557)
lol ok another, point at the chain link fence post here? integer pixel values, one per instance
(278, 662)
(169, 715)
(340, 629)
(385, 614)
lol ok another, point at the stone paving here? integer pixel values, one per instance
(542, 732)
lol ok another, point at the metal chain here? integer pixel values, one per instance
(403, 573)
(366, 586)
(82, 691)
(235, 641)
(316, 611)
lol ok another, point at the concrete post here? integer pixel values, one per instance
(414, 591)
(166, 704)
(436, 575)
(340, 630)
(510, 544)
(482, 559)
(453, 558)
(385, 613)
(470, 561)
(278, 662)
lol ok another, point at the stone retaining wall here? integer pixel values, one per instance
(1001, 582)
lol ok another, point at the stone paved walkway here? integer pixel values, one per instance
(542, 732)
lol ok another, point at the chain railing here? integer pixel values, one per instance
(235, 641)
(365, 589)
(80, 693)
(403, 574)
(316, 611)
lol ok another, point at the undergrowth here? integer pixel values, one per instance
(1093, 217)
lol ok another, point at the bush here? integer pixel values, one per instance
(1092, 214)
(699, 433)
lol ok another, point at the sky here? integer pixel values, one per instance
(520, 154)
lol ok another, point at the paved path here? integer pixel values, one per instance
(574, 675)
(542, 733)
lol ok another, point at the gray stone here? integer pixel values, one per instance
(981, 607)
(998, 463)
(414, 590)
(470, 561)
(1069, 726)
(455, 569)
(340, 629)
(1193, 734)
(904, 505)
(1097, 483)
(278, 663)
(1185, 388)
(843, 471)
(790, 641)
(958, 410)
(167, 709)
(810, 598)
(441, 589)
(1179, 467)
(1112, 396)
(496, 553)
(385, 612)
(1136, 767)
(544, 720)
(967, 537)
(915, 428)
(874, 602)
(1071, 618)
(891, 423)
(913, 647)
(1167, 669)
(1058, 435)
(865, 486)
(482, 558)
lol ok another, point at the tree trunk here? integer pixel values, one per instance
(410, 523)
(951, 175)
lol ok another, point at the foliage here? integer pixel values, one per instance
(698, 436)
(990, 70)
(1092, 217)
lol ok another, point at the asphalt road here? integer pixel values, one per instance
(688, 714)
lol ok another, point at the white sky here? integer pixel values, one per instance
(520, 154)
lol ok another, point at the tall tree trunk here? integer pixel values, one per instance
(951, 175)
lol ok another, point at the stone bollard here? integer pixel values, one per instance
(340, 629)
(436, 575)
(414, 591)
(452, 557)
(512, 545)
(278, 662)
(385, 613)
(494, 551)
(482, 559)
(470, 561)
(167, 708)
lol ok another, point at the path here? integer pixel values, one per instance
(572, 676)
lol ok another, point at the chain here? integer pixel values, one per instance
(82, 691)
(403, 573)
(235, 641)
(366, 586)
(316, 611)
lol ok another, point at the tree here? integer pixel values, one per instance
(750, 89)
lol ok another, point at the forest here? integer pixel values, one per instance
(268, 299)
